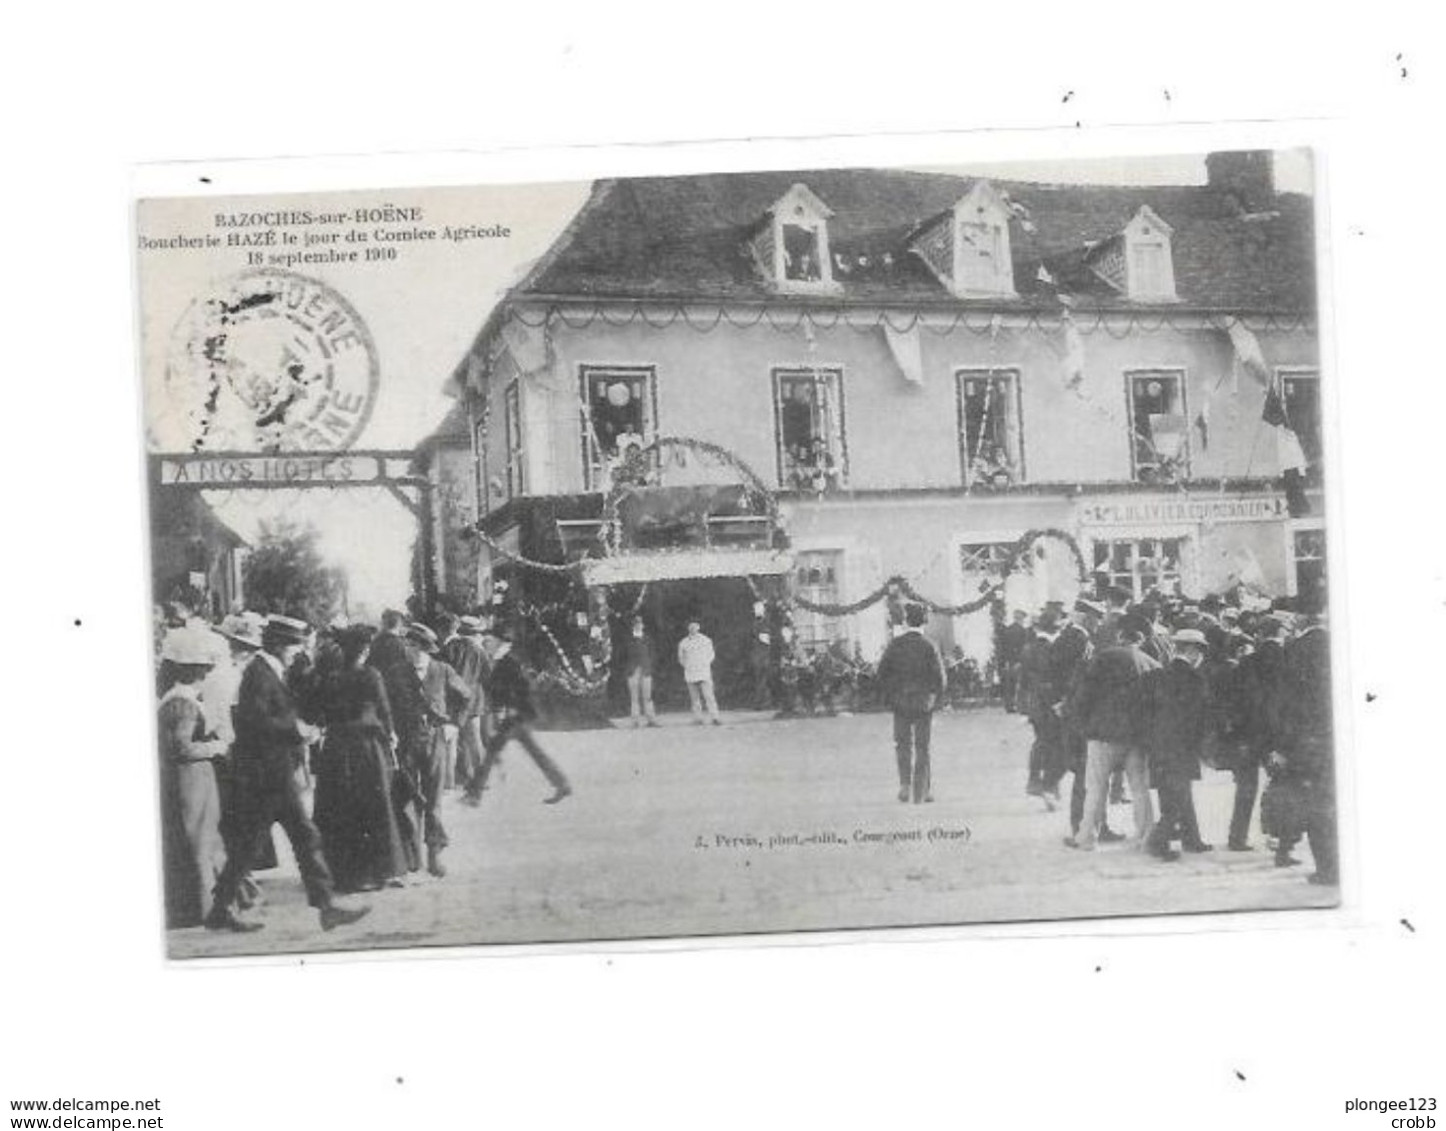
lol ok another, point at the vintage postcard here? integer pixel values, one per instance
(750, 552)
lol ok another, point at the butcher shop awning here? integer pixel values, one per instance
(681, 565)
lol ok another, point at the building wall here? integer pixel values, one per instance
(718, 386)
(902, 435)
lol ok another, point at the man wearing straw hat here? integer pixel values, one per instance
(269, 750)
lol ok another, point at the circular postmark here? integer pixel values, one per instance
(270, 361)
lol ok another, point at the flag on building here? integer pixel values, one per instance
(1248, 352)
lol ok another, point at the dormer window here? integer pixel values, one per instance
(1150, 268)
(793, 247)
(801, 260)
(968, 247)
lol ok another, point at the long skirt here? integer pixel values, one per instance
(191, 840)
(354, 810)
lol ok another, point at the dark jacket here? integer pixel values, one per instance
(1104, 704)
(268, 733)
(508, 689)
(1175, 718)
(638, 654)
(1036, 678)
(1012, 640)
(1259, 677)
(1303, 706)
(404, 690)
(911, 675)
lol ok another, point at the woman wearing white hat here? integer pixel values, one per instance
(190, 802)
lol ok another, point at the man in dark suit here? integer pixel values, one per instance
(1013, 639)
(1070, 655)
(510, 696)
(269, 750)
(1258, 683)
(1175, 712)
(1307, 739)
(911, 680)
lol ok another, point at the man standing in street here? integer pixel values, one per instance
(695, 654)
(1105, 707)
(1175, 714)
(268, 751)
(1069, 657)
(465, 655)
(1013, 639)
(1307, 739)
(911, 681)
(440, 696)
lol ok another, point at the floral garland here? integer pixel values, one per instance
(567, 677)
(901, 585)
(541, 567)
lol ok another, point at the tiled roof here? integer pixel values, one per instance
(455, 428)
(688, 237)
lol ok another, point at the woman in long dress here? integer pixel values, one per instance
(190, 804)
(359, 834)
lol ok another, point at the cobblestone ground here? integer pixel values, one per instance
(769, 824)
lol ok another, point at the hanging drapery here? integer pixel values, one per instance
(905, 347)
(1074, 359)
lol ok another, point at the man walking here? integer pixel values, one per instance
(268, 751)
(1105, 707)
(510, 696)
(695, 654)
(911, 681)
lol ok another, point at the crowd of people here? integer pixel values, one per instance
(1127, 698)
(346, 737)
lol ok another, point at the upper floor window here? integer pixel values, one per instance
(801, 257)
(982, 263)
(808, 409)
(1159, 439)
(1150, 270)
(621, 417)
(516, 456)
(989, 431)
(794, 246)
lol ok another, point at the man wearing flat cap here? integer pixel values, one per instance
(436, 698)
(466, 656)
(269, 749)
